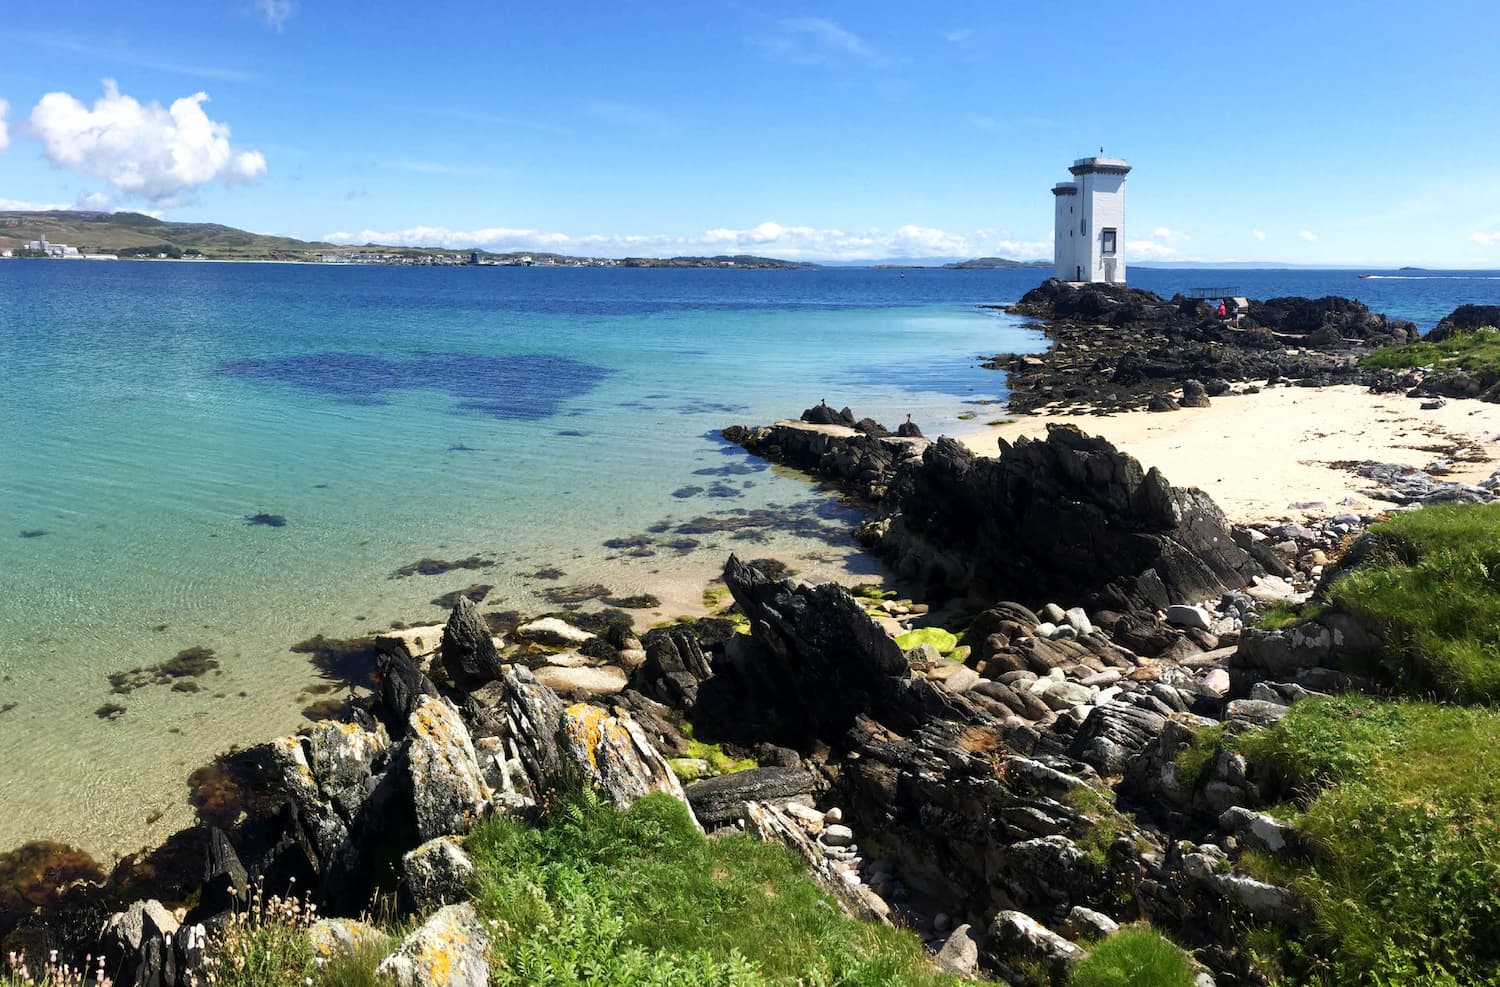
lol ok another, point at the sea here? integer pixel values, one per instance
(205, 466)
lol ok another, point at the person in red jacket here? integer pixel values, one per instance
(1223, 311)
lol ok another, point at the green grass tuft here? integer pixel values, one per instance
(1135, 956)
(1193, 761)
(1401, 808)
(604, 896)
(1477, 352)
(1429, 585)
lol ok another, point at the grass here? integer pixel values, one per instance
(1400, 806)
(1429, 585)
(1135, 956)
(1282, 614)
(1193, 761)
(1476, 352)
(604, 896)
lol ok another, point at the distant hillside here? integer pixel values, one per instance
(102, 232)
(995, 263)
(975, 264)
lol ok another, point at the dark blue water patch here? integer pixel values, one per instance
(266, 520)
(33, 533)
(526, 386)
(570, 433)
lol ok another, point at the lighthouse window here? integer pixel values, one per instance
(1109, 241)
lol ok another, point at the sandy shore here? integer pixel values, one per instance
(1257, 454)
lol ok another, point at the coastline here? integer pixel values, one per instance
(1276, 453)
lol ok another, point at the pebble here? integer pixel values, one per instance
(834, 815)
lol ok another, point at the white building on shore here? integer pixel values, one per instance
(1089, 242)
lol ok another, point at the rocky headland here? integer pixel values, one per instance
(1118, 348)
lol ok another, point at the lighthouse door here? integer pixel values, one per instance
(1109, 270)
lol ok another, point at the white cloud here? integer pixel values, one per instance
(1163, 233)
(144, 150)
(816, 40)
(1258, 234)
(94, 202)
(1149, 250)
(1485, 239)
(275, 12)
(1308, 235)
(21, 205)
(959, 35)
(767, 239)
(4, 134)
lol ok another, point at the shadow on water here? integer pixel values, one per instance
(527, 386)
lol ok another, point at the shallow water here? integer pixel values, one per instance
(239, 457)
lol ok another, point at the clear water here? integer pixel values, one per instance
(526, 416)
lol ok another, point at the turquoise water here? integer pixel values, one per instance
(386, 415)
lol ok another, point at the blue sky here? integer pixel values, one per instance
(1335, 132)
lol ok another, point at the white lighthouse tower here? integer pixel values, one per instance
(1090, 226)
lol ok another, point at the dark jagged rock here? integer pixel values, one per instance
(1162, 402)
(402, 684)
(821, 414)
(1068, 517)
(469, 654)
(1465, 318)
(859, 461)
(718, 801)
(675, 666)
(225, 882)
(1115, 347)
(817, 643)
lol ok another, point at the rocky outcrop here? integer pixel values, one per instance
(1465, 318)
(860, 459)
(436, 873)
(1116, 347)
(720, 800)
(1066, 517)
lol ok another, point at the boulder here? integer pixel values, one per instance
(1028, 952)
(604, 680)
(1194, 394)
(331, 937)
(959, 954)
(448, 790)
(1182, 615)
(613, 755)
(402, 683)
(469, 653)
(436, 873)
(554, 632)
(327, 773)
(411, 643)
(448, 950)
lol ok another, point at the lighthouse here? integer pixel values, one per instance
(1089, 243)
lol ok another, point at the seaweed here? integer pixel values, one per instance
(268, 520)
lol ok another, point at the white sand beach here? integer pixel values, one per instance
(1258, 454)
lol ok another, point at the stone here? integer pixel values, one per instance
(1181, 615)
(604, 680)
(327, 773)
(959, 954)
(1018, 944)
(1254, 711)
(1078, 619)
(436, 873)
(717, 801)
(834, 815)
(554, 632)
(469, 654)
(838, 834)
(411, 643)
(1215, 683)
(961, 679)
(448, 950)
(127, 931)
(613, 755)
(1267, 832)
(1194, 394)
(332, 937)
(1085, 923)
(225, 882)
(449, 793)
